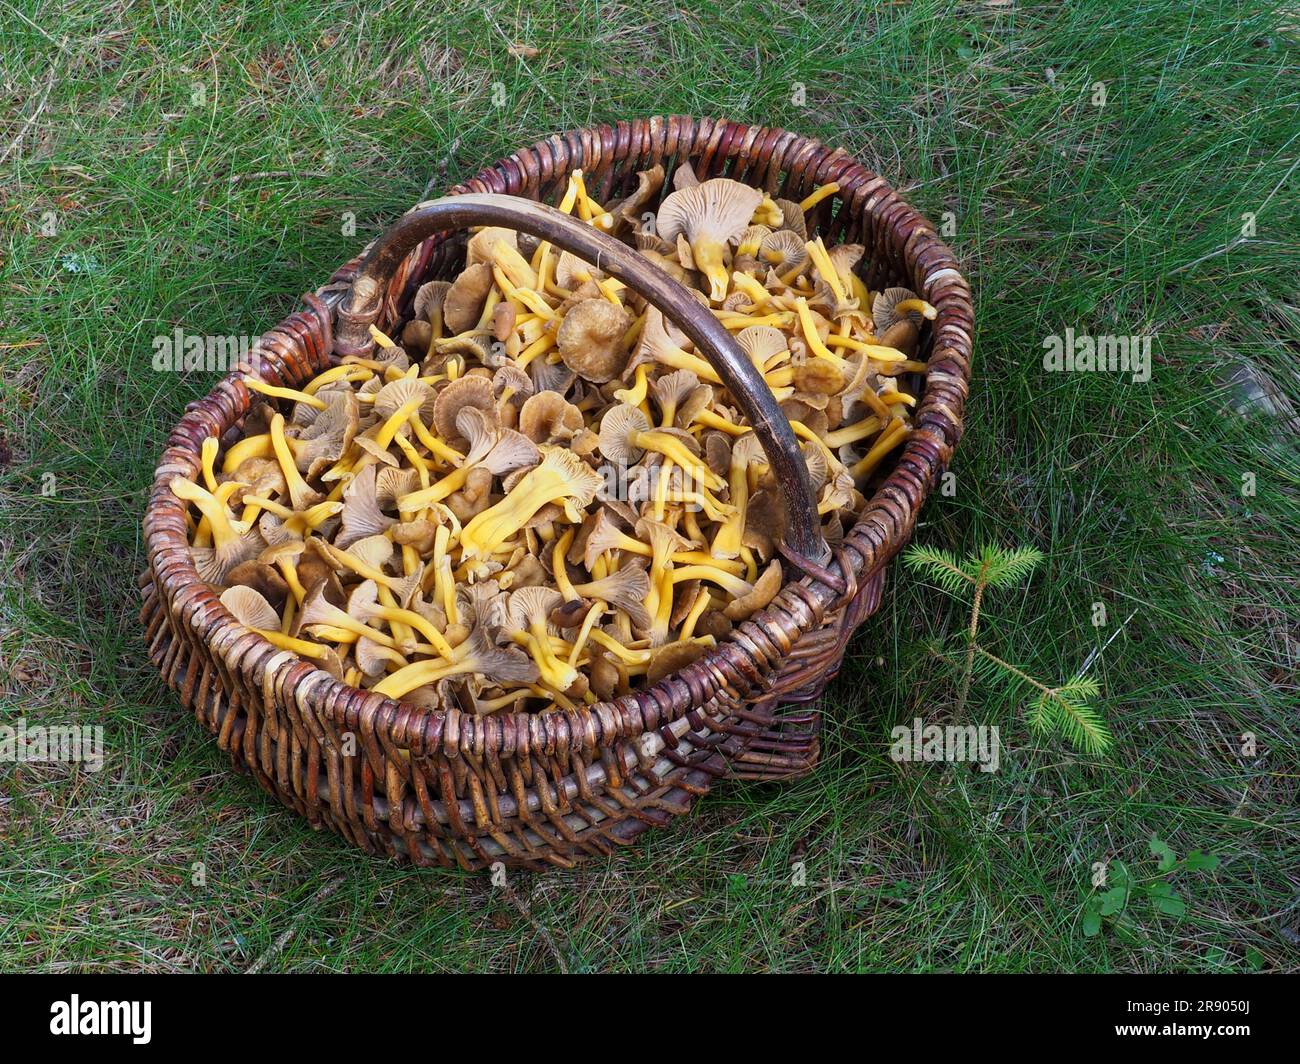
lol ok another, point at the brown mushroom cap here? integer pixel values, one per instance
(548, 417)
(883, 313)
(671, 658)
(429, 299)
(262, 578)
(592, 340)
(463, 305)
(471, 390)
(765, 589)
(619, 423)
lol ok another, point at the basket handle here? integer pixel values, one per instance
(360, 309)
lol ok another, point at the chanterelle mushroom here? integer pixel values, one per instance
(592, 340)
(710, 215)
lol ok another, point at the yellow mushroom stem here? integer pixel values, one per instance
(488, 530)
(817, 252)
(895, 434)
(588, 623)
(674, 449)
(258, 446)
(284, 457)
(433, 443)
(636, 395)
(729, 582)
(537, 641)
(701, 603)
(344, 372)
(208, 458)
(906, 306)
(340, 620)
(418, 674)
(559, 569)
(876, 352)
(396, 615)
(859, 430)
(709, 260)
(818, 194)
(711, 420)
(780, 320)
(224, 530)
(297, 523)
(417, 461)
(304, 647)
(273, 392)
(663, 608)
(624, 654)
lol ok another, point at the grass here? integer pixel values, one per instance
(196, 165)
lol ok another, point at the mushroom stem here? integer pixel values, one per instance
(730, 583)
(273, 392)
(300, 492)
(224, 530)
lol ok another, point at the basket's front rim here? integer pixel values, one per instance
(734, 669)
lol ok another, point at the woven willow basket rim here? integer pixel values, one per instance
(398, 727)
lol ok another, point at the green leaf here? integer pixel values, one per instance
(1164, 854)
(1254, 959)
(1112, 901)
(1119, 875)
(1170, 906)
(1091, 918)
(1201, 862)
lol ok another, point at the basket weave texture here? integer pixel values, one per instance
(540, 790)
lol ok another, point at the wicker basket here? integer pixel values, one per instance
(529, 790)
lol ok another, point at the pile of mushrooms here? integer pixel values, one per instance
(541, 495)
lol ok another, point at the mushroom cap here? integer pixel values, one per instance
(472, 390)
(250, 608)
(396, 394)
(619, 423)
(883, 313)
(391, 484)
(262, 578)
(571, 271)
(372, 659)
(512, 377)
(764, 591)
(419, 534)
(592, 339)
(672, 388)
(784, 250)
(761, 342)
(817, 377)
(719, 209)
(534, 603)
(512, 451)
(503, 320)
(792, 218)
(361, 516)
(697, 399)
(648, 184)
(429, 299)
(330, 434)
(481, 247)
(463, 304)
(671, 658)
(547, 417)
(764, 522)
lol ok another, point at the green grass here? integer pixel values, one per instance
(1126, 218)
